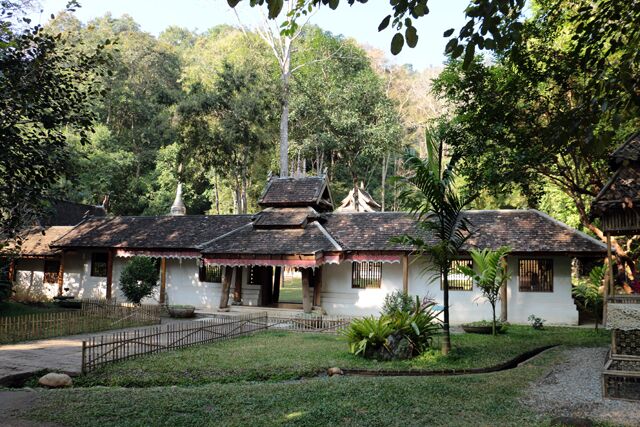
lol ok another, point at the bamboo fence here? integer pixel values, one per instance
(94, 316)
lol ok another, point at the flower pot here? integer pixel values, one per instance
(181, 312)
(471, 329)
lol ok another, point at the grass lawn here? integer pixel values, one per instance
(276, 356)
(489, 399)
(11, 308)
(291, 295)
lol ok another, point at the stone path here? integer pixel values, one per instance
(63, 354)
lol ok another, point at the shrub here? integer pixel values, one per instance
(398, 301)
(588, 293)
(139, 278)
(5, 290)
(536, 322)
(404, 330)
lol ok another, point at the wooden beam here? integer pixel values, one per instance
(307, 302)
(405, 274)
(317, 287)
(226, 286)
(12, 270)
(163, 280)
(277, 279)
(610, 258)
(237, 289)
(61, 275)
(109, 273)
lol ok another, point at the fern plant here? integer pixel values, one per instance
(367, 333)
(588, 291)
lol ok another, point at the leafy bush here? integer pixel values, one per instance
(536, 322)
(501, 327)
(138, 279)
(5, 290)
(398, 301)
(403, 330)
(588, 293)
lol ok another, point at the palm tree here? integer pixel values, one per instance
(429, 193)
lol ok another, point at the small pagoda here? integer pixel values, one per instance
(618, 207)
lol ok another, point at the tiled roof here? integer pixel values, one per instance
(289, 241)
(284, 217)
(170, 232)
(629, 151)
(290, 192)
(37, 241)
(525, 231)
(63, 212)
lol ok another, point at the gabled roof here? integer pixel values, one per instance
(524, 231)
(146, 232)
(310, 191)
(365, 202)
(284, 217)
(65, 213)
(310, 239)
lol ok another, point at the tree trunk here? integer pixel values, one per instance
(446, 337)
(217, 194)
(385, 166)
(284, 118)
(493, 325)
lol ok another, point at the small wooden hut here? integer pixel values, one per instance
(618, 207)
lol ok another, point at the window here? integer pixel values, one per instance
(366, 275)
(457, 280)
(210, 273)
(99, 264)
(51, 270)
(535, 275)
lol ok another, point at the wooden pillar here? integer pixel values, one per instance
(163, 280)
(610, 257)
(12, 270)
(226, 286)
(109, 273)
(237, 288)
(405, 274)
(609, 284)
(61, 275)
(277, 279)
(307, 302)
(504, 294)
(317, 287)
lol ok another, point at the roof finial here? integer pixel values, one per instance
(178, 207)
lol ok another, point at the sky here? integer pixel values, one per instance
(359, 21)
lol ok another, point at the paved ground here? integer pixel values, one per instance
(574, 389)
(62, 354)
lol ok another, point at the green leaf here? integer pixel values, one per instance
(385, 23)
(333, 4)
(448, 32)
(233, 3)
(275, 6)
(412, 36)
(397, 43)
(468, 55)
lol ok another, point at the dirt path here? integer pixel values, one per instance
(573, 389)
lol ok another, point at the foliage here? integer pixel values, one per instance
(537, 323)
(588, 292)
(5, 290)
(403, 331)
(48, 86)
(429, 193)
(367, 333)
(489, 273)
(397, 301)
(500, 326)
(139, 279)
(492, 23)
(558, 115)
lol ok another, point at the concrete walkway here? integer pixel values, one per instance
(63, 354)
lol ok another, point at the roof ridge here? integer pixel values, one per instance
(328, 236)
(203, 245)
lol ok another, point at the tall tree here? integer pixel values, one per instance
(47, 86)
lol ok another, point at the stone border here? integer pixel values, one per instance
(510, 364)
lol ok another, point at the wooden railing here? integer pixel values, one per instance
(94, 316)
(99, 351)
(624, 299)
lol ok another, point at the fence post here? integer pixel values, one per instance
(84, 357)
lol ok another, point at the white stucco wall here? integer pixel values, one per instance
(557, 307)
(29, 281)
